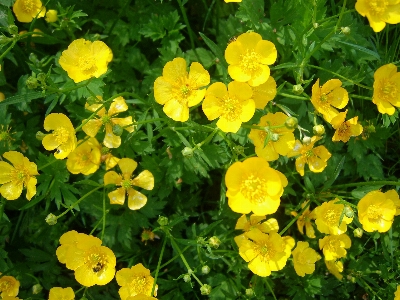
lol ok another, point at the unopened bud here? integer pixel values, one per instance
(51, 219)
(291, 123)
(358, 232)
(117, 130)
(36, 289)
(12, 29)
(186, 278)
(249, 292)
(348, 211)
(297, 89)
(32, 83)
(33, 58)
(306, 140)
(370, 128)
(274, 137)
(163, 221)
(346, 30)
(51, 16)
(187, 152)
(205, 289)
(40, 135)
(319, 130)
(205, 270)
(315, 25)
(214, 242)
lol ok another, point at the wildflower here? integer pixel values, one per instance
(9, 286)
(145, 180)
(17, 176)
(134, 281)
(109, 121)
(26, 10)
(85, 158)
(248, 58)
(84, 59)
(232, 106)
(140, 297)
(333, 246)
(305, 221)
(392, 195)
(397, 293)
(330, 218)
(177, 90)
(270, 225)
(304, 259)
(264, 93)
(379, 12)
(345, 129)
(376, 211)
(63, 137)
(335, 267)
(274, 141)
(330, 95)
(59, 293)
(316, 158)
(253, 186)
(51, 16)
(386, 89)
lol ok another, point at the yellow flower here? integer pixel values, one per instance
(280, 140)
(397, 293)
(333, 246)
(107, 157)
(316, 158)
(63, 137)
(386, 89)
(85, 158)
(392, 195)
(134, 281)
(9, 286)
(177, 90)
(345, 129)
(264, 252)
(253, 186)
(145, 180)
(304, 259)
(330, 95)
(140, 297)
(379, 12)
(26, 10)
(305, 221)
(51, 16)
(232, 106)
(248, 58)
(264, 93)
(84, 59)
(59, 293)
(17, 176)
(376, 210)
(330, 218)
(335, 267)
(107, 119)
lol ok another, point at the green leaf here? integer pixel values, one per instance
(22, 98)
(362, 49)
(252, 11)
(335, 174)
(361, 191)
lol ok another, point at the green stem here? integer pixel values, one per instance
(175, 257)
(295, 218)
(371, 183)
(8, 49)
(270, 289)
(104, 214)
(158, 265)
(185, 18)
(293, 96)
(360, 97)
(46, 165)
(207, 139)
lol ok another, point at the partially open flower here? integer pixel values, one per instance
(304, 259)
(387, 89)
(9, 286)
(345, 129)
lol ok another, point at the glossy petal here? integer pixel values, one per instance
(127, 166)
(136, 200)
(144, 180)
(117, 196)
(11, 190)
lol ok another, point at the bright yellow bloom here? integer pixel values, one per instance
(304, 259)
(63, 137)
(85, 158)
(376, 210)
(134, 281)
(84, 59)
(17, 176)
(392, 195)
(345, 129)
(330, 95)
(232, 106)
(141, 297)
(316, 158)
(145, 180)
(109, 121)
(330, 218)
(397, 293)
(253, 186)
(335, 267)
(386, 89)
(9, 286)
(280, 140)
(305, 221)
(265, 252)
(333, 246)
(51, 16)
(26, 10)
(177, 90)
(59, 293)
(379, 12)
(264, 93)
(248, 58)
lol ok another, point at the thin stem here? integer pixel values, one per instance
(158, 265)
(270, 289)
(48, 164)
(104, 214)
(295, 218)
(8, 49)
(371, 183)
(185, 18)
(360, 97)
(293, 96)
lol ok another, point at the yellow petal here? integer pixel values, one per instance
(238, 74)
(124, 122)
(127, 166)
(117, 196)
(31, 188)
(198, 76)
(11, 190)
(211, 107)
(229, 126)
(260, 76)
(239, 204)
(175, 70)
(163, 90)
(5, 172)
(56, 120)
(117, 106)
(14, 157)
(112, 177)
(111, 140)
(144, 180)
(176, 111)
(260, 267)
(136, 200)
(92, 127)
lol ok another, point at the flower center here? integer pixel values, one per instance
(333, 245)
(19, 175)
(302, 258)
(374, 212)
(231, 109)
(332, 217)
(140, 285)
(377, 7)
(105, 119)
(87, 64)
(61, 134)
(266, 251)
(28, 6)
(309, 153)
(254, 189)
(344, 129)
(126, 184)
(185, 91)
(5, 285)
(388, 90)
(249, 61)
(95, 261)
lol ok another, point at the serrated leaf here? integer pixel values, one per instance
(252, 11)
(22, 98)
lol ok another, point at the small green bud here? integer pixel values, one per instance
(163, 221)
(274, 137)
(205, 289)
(306, 140)
(205, 270)
(214, 242)
(51, 219)
(201, 241)
(40, 135)
(319, 130)
(36, 289)
(297, 89)
(358, 232)
(291, 123)
(348, 211)
(32, 83)
(12, 29)
(33, 58)
(104, 150)
(117, 130)
(187, 152)
(370, 128)
(186, 278)
(345, 30)
(315, 25)
(41, 77)
(84, 298)
(249, 292)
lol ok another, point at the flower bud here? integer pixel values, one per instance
(41, 77)
(51, 219)
(187, 152)
(51, 16)
(31, 83)
(249, 292)
(315, 25)
(345, 30)
(163, 221)
(205, 289)
(297, 89)
(117, 130)
(186, 278)
(214, 242)
(358, 232)
(319, 130)
(40, 135)
(291, 123)
(205, 270)
(12, 29)
(36, 289)
(306, 140)
(274, 137)
(33, 58)
(348, 212)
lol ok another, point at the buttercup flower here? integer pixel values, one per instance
(392, 195)
(253, 186)
(264, 93)
(145, 180)
(330, 219)
(177, 90)
(85, 158)
(316, 158)
(248, 58)
(9, 286)
(51, 16)
(232, 106)
(335, 267)
(59, 293)
(26, 10)
(270, 225)
(305, 221)
(109, 159)
(379, 12)
(376, 210)
(15, 177)
(333, 246)
(109, 121)
(141, 297)
(63, 137)
(135, 281)
(330, 95)
(280, 139)
(345, 129)
(84, 59)
(387, 88)
(304, 259)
